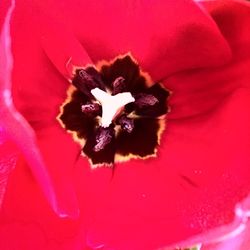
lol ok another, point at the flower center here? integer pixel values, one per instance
(115, 111)
(111, 105)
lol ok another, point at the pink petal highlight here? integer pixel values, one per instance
(7, 156)
(17, 129)
(231, 236)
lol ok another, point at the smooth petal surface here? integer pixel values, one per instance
(173, 35)
(199, 91)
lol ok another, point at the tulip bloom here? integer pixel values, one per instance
(192, 191)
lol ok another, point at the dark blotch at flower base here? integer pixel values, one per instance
(136, 127)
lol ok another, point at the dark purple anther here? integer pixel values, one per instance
(96, 76)
(126, 123)
(103, 138)
(118, 85)
(87, 80)
(85, 76)
(92, 109)
(84, 82)
(144, 100)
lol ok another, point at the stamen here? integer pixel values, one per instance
(111, 105)
(92, 109)
(84, 82)
(115, 110)
(103, 138)
(144, 100)
(118, 85)
(85, 76)
(126, 123)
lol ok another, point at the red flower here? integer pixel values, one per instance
(201, 53)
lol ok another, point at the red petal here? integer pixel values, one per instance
(152, 205)
(199, 91)
(147, 205)
(202, 169)
(34, 220)
(38, 91)
(173, 35)
(7, 151)
(165, 36)
(16, 129)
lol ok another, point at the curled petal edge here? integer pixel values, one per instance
(223, 233)
(16, 129)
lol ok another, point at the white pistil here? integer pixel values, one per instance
(111, 105)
